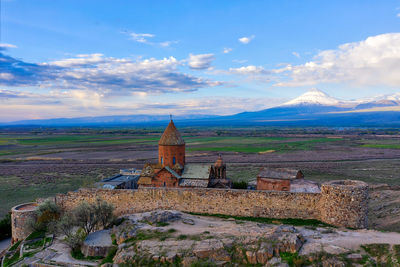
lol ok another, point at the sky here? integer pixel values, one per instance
(76, 58)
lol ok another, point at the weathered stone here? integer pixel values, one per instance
(251, 257)
(97, 244)
(188, 221)
(162, 216)
(355, 257)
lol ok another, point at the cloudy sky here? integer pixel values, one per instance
(71, 58)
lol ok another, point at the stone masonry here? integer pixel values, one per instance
(340, 203)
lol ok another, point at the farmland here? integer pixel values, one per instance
(40, 163)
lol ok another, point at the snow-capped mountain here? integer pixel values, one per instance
(314, 97)
(380, 101)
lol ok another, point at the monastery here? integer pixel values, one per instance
(171, 170)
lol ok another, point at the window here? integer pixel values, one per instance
(173, 161)
(162, 160)
(164, 184)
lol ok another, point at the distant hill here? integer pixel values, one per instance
(313, 108)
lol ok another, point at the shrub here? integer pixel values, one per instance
(75, 240)
(93, 216)
(239, 185)
(5, 227)
(45, 218)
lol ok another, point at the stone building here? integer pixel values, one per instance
(126, 179)
(171, 170)
(277, 179)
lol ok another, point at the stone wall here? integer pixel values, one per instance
(345, 203)
(19, 217)
(340, 203)
(202, 200)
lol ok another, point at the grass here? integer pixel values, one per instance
(385, 146)
(396, 250)
(15, 246)
(295, 222)
(77, 254)
(376, 250)
(14, 258)
(248, 145)
(110, 256)
(35, 235)
(161, 224)
(293, 259)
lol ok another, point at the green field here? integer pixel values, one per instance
(256, 144)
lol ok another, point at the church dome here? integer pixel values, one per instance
(171, 136)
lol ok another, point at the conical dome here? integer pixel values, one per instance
(171, 136)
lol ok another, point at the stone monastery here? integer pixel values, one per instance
(171, 183)
(171, 170)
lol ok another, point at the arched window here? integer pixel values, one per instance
(173, 160)
(162, 160)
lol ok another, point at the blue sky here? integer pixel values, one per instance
(87, 58)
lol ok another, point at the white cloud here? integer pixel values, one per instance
(249, 70)
(200, 61)
(141, 37)
(296, 54)
(398, 15)
(103, 75)
(374, 61)
(246, 40)
(5, 45)
(144, 38)
(227, 50)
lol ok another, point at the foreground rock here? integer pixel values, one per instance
(166, 238)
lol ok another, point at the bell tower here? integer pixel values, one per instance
(171, 147)
(220, 168)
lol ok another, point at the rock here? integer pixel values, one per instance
(251, 257)
(162, 216)
(97, 244)
(211, 249)
(188, 221)
(274, 261)
(354, 257)
(332, 262)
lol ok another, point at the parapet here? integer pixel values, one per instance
(345, 203)
(19, 216)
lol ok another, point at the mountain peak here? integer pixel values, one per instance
(314, 97)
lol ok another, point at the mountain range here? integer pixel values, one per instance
(313, 108)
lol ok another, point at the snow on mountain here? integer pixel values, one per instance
(314, 97)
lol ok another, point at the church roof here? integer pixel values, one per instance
(171, 136)
(196, 171)
(280, 173)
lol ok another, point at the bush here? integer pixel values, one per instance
(239, 185)
(5, 227)
(90, 217)
(46, 216)
(75, 240)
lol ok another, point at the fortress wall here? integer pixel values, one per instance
(345, 203)
(340, 203)
(214, 201)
